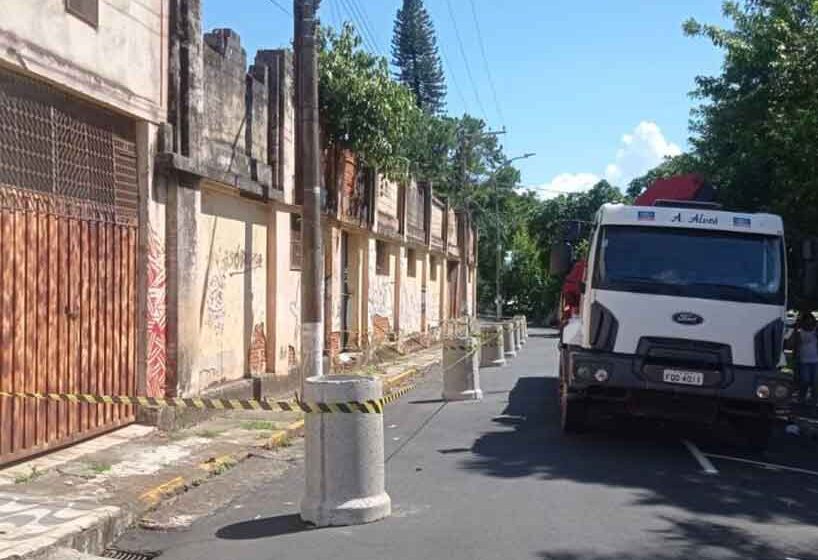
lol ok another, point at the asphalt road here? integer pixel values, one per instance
(496, 479)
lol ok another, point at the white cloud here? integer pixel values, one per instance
(567, 183)
(639, 151)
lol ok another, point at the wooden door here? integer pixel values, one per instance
(68, 238)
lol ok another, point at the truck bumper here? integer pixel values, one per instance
(640, 389)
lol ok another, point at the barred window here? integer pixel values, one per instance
(295, 242)
(381, 258)
(411, 263)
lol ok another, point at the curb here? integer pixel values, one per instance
(390, 382)
(283, 437)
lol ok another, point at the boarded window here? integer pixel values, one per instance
(411, 263)
(433, 269)
(295, 242)
(86, 10)
(381, 258)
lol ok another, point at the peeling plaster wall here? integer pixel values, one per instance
(410, 292)
(233, 256)
(287, 299)
(433, 291)
(121, 63)
(382, 286)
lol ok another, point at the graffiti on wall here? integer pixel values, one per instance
(224, 265)
(156, 316)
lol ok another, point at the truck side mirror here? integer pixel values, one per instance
(571, 230)
(560, 259)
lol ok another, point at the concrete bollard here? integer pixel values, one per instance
(508, 339)
(525, 326)
(461, 374)
(518, 343)
(344, 457)
(521, 326)
(491, 353)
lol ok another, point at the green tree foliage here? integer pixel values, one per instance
(756, 132)
(414, 52)
(361, 107)
(672, 166)
(546, 228)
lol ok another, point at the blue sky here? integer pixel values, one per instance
(597, 88)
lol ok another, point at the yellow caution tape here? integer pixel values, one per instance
(366, 407)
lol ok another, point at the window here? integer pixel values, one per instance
(86, 10)
(691, 263)
(433, 269)
(295, 242)
(411, 263)
(381, 258)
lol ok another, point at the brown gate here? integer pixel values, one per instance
(68, 237)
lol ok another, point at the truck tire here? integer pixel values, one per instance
(573, 413)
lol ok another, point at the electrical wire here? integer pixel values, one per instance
(278, 5)
(454, 79)
(486, 64)
(368, 42)
(366, 23)
(466, 60)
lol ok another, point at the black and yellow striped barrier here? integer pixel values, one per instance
(365, 407)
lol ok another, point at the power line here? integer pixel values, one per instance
(454, 79)
(368, 42)
(466, 60)
(336, 15)
(486, 64)
(278, 5)
(366, 22)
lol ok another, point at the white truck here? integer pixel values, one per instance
(681, 317)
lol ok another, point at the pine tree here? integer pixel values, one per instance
(414, 52)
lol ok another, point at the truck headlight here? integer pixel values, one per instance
(601, 375)
(763, 392)
(781, 392)
(584, 372)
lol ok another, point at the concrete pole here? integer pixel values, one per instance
(312, 272)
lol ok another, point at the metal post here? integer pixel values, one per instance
(312, 272)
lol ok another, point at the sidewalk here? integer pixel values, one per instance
(84, 496)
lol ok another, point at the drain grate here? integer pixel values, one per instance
(118, 554)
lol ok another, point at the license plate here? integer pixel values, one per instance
(683, 377)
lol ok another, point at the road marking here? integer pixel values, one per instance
(763, 464)
(707, 466)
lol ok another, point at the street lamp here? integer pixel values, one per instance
(498, 302)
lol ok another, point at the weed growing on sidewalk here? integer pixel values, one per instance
(30, 476)
(258, 425)
(100, 468)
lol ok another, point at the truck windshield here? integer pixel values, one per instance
(691, 263)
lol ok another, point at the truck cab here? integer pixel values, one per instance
(681, 316)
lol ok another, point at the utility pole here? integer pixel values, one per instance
(498, 300)
(308, 163)
(465, 147)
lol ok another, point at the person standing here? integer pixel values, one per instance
(805, 351)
